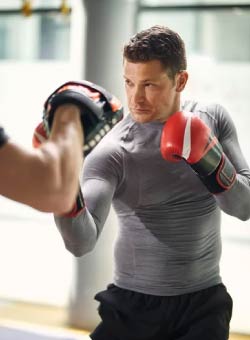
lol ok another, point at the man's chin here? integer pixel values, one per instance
(142, 118)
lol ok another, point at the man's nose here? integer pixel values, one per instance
(139, 95)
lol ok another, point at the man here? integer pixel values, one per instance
(168, 168)
(46, 178)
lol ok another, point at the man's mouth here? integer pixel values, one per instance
(140, 110)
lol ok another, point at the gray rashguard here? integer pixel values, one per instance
(169, 240)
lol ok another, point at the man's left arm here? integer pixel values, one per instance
(236, 200)
(213, 152)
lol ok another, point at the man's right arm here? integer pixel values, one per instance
(80, 233)
(100, 111)
(102, 175)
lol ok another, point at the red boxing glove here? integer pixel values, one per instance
(186, 136)
(40, 136)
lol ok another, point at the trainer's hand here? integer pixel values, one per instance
(99, 109)
(186, 136)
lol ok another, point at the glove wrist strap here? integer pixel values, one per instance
(222, 178)
(78, 207)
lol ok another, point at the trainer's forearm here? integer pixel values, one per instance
(45, 178)
(67, 134)
(65, 148)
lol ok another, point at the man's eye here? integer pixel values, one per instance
(128, 82)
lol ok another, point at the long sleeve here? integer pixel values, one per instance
(81, 233)
(236, 201)
(98, 184)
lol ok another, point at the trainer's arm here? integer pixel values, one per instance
(235, 201)
(45, 178)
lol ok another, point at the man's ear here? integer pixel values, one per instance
(181, 80)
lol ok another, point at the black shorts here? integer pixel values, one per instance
(128, 315)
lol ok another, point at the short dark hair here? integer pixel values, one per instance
(160, 43)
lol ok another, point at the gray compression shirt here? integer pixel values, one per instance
(169, 240)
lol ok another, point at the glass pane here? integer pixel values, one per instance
(43, 36)
(190, 2)
(54, 37)
(216, 34)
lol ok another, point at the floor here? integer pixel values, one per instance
(48, 316)
(18, 314)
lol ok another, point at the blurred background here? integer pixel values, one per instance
(46, 42)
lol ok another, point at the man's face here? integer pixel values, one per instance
(151, 94)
